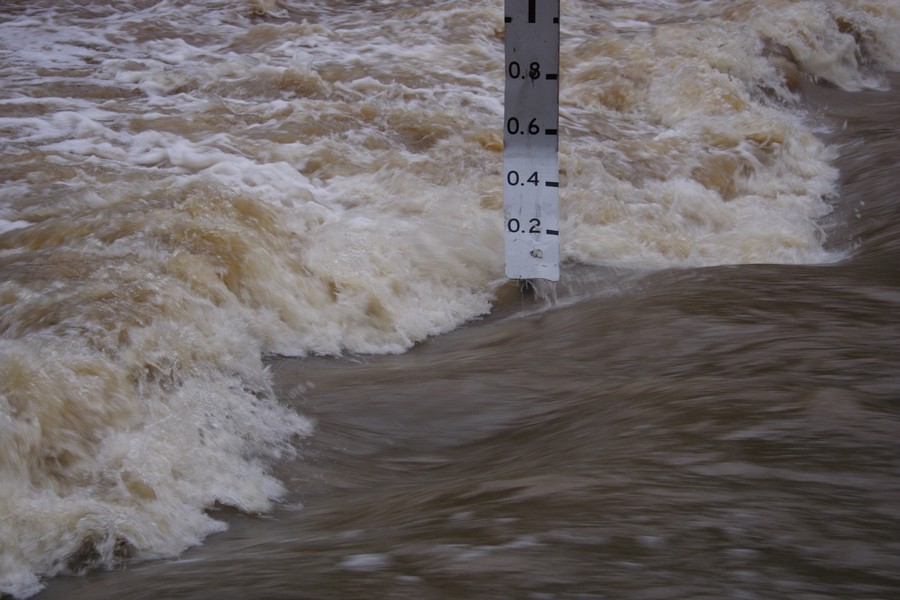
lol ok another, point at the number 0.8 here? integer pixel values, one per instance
(515, 70)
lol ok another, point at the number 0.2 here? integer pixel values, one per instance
(513, 226)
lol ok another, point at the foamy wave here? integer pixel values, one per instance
(696, 161)
(685, 142)
(109, 453)
(844, 43)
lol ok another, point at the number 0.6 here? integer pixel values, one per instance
(512, 126)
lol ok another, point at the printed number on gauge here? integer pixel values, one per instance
(513, 225)
(512, 126)
(512, 178)
(515, 70)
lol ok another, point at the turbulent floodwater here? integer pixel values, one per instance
(252, 285)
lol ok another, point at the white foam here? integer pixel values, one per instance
(365, 562)
(12, 225)
(817, 41)
(163, 453)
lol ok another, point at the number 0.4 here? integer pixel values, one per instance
(512, 178)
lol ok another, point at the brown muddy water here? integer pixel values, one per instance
(255, 339)
(726, 432)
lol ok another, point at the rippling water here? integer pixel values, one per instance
(251, 285)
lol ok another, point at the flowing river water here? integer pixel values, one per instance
(256, 342)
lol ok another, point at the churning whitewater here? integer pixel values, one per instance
(190, 186)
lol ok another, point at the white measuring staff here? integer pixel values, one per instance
(530, 140)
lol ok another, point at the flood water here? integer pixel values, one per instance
(727, 432)
(711, 411)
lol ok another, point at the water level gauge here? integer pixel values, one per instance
(531, 141)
